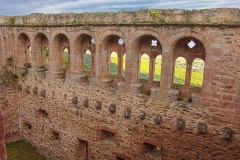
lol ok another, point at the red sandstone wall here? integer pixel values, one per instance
(74, 122)
(3, 155)
(8, 105)
(58, 128)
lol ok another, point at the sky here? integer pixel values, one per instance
(25, 7)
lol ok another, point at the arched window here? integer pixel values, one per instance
(180, 71)
(114, 63)
(40, 51)
(65, 57)
(197, 72)
(88, 60)
(124, 65)
(187, 74)
(144, 67)
(157, 68)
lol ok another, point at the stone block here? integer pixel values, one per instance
(80, 78)
(173, 95)
(137, 88)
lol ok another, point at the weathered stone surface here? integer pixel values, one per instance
(51, 124)
(172, 16)
(3, 153)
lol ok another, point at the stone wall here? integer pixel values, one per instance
(172, 16)
(3, 154)
(75, 122)
(9, 108)
(59, 112)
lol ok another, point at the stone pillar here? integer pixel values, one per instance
(119, 62)
(119, 65)
(3, 153)
(151, 69)
(188, 74)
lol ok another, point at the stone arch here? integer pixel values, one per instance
(145, 44)
(113, 43)
(82, 43)
(40, 44)
(23, 51)
(107, 33)
(59, 43)
(190, 48)
(188, 33)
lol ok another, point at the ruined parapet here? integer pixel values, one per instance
(143, 16)
(3, 153)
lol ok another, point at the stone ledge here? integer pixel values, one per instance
(222, 16)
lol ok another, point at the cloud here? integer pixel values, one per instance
(23, 7)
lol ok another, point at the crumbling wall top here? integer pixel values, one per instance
(168, 16)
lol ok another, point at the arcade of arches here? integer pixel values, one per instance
(124, 92)
(78, 60)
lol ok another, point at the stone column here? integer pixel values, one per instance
(3, 153)
(120, 57)
(151, 69)
(188, 74)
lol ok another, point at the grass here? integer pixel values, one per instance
(22, 150)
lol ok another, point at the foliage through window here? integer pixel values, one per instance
(197, 72)
(87, 60)
(144, 67)
(180, 71)
(114, 63)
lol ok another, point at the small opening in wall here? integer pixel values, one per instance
(154, 43)
(120, 41)
(54, 135)
(27, 126)
(152, 151)
(92, 41)
(109, 137)
(43, 113)
(119, 158)
(82, 149)
(191, 44)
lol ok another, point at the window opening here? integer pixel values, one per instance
(197, 72)
(120, 41)
(92, 41)
(180, 70)
(124, 65)
(110, 136)
(191, 44)
(119, 158)
(158, 65)
(153, 150)
(154, 43)
(114, 63)
(87, 60)
(144, 67)
(47, 56)
(66, 57)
